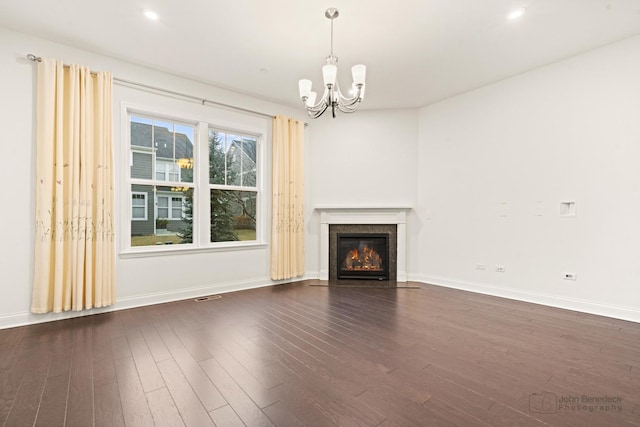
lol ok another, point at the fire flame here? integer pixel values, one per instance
(367, 259)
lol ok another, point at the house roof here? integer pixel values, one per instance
(163, 141)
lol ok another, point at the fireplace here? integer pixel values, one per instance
(352, 220)
(362, 256)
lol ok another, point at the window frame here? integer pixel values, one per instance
(200, 184)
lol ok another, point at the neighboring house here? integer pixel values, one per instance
(242, 155)
(163, 156)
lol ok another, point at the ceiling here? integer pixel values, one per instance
(416, 53)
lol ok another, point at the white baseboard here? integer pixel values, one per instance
(27, 318)
(616, 312)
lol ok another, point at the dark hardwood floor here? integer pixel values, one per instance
(297, 354)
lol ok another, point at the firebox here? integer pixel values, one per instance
(363, 256)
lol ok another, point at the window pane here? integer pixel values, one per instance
(141, 133)
(176, 207)
(173, 172)
(184, 152)
(217, 162)
(172, 144)
(249, 147)
(137, 212)
(185, 169)
(141, 165)
(163, 206)
(158, 228)
(234, 159)
(233, 215)
(138, 206)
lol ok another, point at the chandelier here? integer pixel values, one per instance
(333, 96)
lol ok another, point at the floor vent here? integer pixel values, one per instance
(208, 298)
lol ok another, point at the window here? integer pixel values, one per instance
(138, 206)
(232, 186)
(161, 170)
(167, 170)
(170, 207)
(192, 185)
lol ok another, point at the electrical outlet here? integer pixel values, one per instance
(480, 266)
(569, 276)
(500, 268)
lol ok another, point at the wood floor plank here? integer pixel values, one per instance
(254, 361)
(226, 416)
(249, 384)
(135, 408)
(191, 409)
(206, 390)
(10, 339)
(301, 405)
(280, 415)
(25, 405)
(80, 401)
(241, 403)
(147, 370)
(158, 350)
(163, 408)
(108, 408)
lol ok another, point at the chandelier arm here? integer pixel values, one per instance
(316, 107)
(320, 106)
(348, 102)
(348, 109)
(316, 114)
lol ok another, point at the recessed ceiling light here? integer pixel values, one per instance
(150, 14)
(516, 13)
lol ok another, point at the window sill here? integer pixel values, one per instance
(152, 251)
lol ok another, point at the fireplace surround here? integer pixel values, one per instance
(363, 218)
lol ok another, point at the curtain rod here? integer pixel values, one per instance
(33, 58)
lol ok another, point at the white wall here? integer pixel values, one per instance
(367, 159)
(139, 280)
(495, 163)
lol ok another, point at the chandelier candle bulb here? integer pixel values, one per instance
(358, 71)
(329, 73)
(305, 87)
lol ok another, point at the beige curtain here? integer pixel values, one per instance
(74, 249)
(287, 219)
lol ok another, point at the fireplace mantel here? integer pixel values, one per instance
(363, 215)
